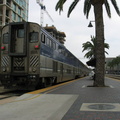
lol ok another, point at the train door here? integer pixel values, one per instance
(18, 48)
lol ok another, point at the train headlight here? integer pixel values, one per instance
(3, 69)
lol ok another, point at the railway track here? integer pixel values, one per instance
(7, 96)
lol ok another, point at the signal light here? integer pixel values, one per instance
(2, 48)
(36, 46)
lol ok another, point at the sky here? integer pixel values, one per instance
(76, 26)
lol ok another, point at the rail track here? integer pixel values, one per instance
(7, 95)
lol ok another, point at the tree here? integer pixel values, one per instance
(90, 47)
(114, 64)
(99, 27)
(110, 65)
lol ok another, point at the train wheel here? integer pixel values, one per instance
(46, 82)
(39, 85)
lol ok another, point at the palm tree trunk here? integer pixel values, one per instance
(99, 52)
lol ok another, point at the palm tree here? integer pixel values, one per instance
(99, 27)
(110, 65)
(90, 47)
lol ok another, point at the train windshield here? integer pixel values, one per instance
(20, 33)
(5, 38)
(34, 37)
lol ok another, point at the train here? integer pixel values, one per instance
(32, 58)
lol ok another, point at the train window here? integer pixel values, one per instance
(5, 38)
(54, 46)
(34, 37)
(20, 33)
(60, 49)
(69, 71)
(48, 41)
(66, 54)
(43, 37)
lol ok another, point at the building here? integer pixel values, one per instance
(13, 11)
(60, 36)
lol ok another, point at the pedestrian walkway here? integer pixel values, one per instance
(96, 103)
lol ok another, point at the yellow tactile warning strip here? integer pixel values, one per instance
(50, 88)
(38, 93)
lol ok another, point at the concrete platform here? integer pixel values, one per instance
(37, 107)
(71, 101)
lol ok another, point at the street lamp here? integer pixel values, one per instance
(90, 24)
(92, 61)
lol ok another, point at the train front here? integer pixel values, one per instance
(20, 55)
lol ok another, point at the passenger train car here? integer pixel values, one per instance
(31, 58)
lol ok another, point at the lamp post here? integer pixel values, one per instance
(92, 62)
(90, 24)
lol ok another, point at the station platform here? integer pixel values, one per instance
(68, 101)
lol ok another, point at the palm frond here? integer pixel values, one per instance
(89, 54)
(87, 46)
(106, 45)
(107, 8)
(106, 52)
(87, 7)
(59, 5)
(88, 10)
(115, 6)
(93, 39)
(72, 6)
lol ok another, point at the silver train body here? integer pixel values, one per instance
(31, 58)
